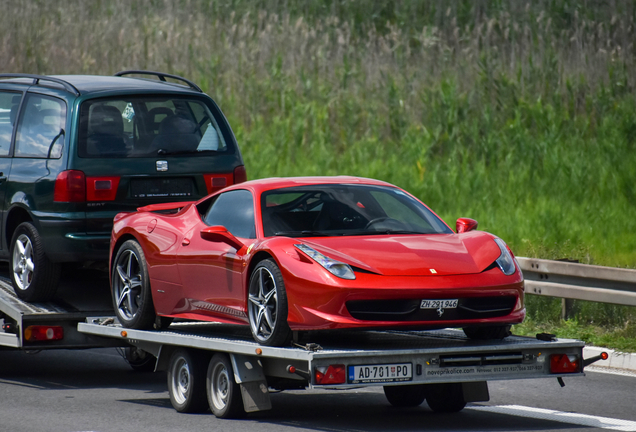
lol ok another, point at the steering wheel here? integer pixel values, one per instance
(381, 219)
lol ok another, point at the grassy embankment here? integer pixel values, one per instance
(518, 115)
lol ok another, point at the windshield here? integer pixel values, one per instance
(330, 210)
(148, 126)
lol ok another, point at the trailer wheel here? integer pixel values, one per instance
(33, 276)
(224, 394)
(445, 398)
(405, 395)
(186, 382)
(132, 299)
(267, 305)
(488, 332)
(140, 360)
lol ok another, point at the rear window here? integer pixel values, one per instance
(149, 126)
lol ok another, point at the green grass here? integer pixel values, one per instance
(518, 114)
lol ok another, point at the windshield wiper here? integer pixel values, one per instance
(383, 232)
(305, 233)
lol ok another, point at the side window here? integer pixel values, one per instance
(41, 128)
(235, 211)
(9, 103)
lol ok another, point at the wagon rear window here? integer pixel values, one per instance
(139, 126)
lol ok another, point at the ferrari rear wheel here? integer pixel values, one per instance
(488, 332)
(132, 299)
(267, 305)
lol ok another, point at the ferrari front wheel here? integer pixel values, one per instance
(132, 299)
(267, 305)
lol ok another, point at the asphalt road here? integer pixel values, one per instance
(95, 390)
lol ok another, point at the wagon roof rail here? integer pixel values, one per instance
(37, 78)
(162, 77)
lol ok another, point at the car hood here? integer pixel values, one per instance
(412, 255)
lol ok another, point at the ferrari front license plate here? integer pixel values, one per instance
(436, 304)
(381, 373)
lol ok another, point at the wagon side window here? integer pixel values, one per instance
(235, 211)
(41, 128)
(9, 103)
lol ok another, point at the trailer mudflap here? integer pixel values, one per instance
(249, 374)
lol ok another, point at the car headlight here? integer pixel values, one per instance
(505, 261)
(334, 267)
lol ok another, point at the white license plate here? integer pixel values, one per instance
(381, 373)
(436, 304)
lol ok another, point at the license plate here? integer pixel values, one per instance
(381, 373)
(436, 304)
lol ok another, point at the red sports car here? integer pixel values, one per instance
(294, 254)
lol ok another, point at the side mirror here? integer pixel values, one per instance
(220, 234)
(465, 225)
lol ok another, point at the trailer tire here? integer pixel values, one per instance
(224, 394)
(33, 275)
(267, 305)
(140, 360)
(402, 396)
(445, 398)
(488, 332)
(186, 381)
(130, 286)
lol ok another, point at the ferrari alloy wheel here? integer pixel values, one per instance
(132, 300)
(34, 277)
(186, 381)
(224, 394)
(267, 305)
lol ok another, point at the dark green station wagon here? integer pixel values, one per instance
(75, 150)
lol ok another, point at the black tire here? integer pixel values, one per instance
(140, 360)
(34, 277)
(405, 395)
(224, 394)
(445, 398)
(130, 287)
(186, 381)
(488, 332)
(267, 305)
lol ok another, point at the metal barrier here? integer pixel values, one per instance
(579, 281)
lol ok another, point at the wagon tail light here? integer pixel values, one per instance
(333, 374)
(216, 182)
(74, 186)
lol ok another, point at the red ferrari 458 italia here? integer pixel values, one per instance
(295, 254)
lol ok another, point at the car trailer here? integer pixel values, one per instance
(219, 366)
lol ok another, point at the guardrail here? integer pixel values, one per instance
(579, 281)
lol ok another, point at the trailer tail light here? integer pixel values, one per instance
(240, 175)
(101, 188)
(334, 374)
(215, 182)
(43, 333)
(70, 186)
(564, 363)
